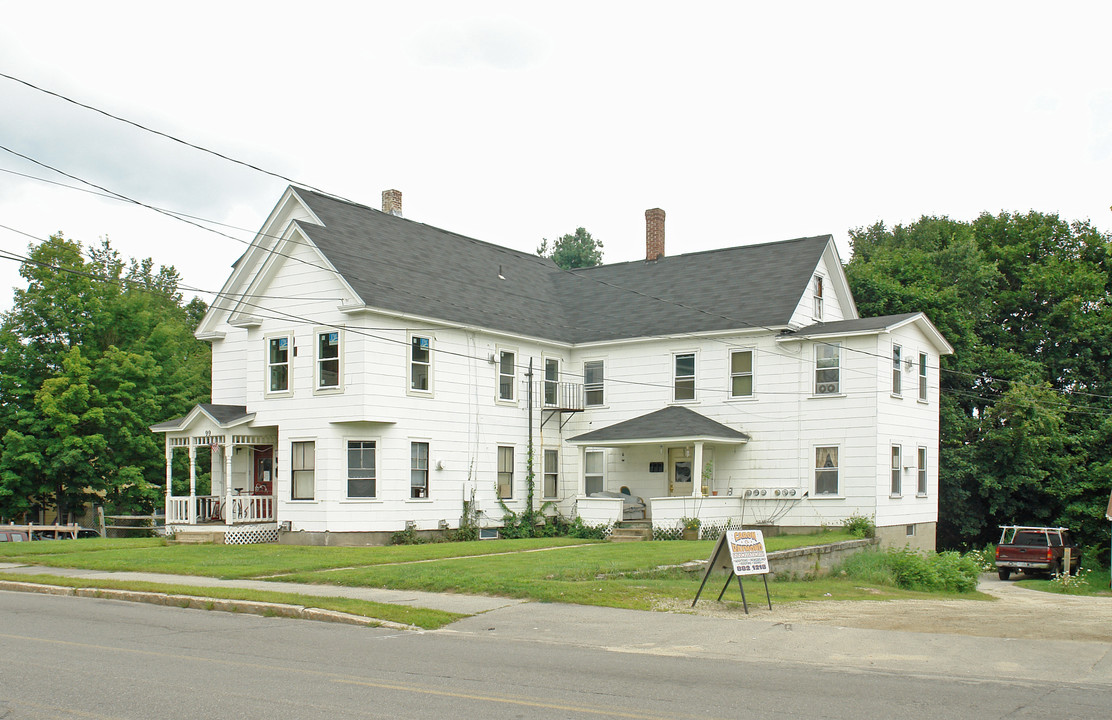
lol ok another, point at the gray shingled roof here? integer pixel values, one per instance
(843, 327)
(405, 266)
(668, 423)
(223, 414)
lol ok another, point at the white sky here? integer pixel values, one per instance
(747, 122)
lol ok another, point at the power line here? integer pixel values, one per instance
(188, 219)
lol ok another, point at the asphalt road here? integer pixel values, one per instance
(64, 657)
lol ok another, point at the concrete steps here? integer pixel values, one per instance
(632, 531)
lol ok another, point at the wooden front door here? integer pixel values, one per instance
(263, 483)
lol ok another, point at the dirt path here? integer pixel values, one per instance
(1016, 613)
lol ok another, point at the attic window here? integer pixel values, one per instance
(818, 297)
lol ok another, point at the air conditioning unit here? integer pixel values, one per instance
(827, 388)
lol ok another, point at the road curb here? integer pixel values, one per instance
(198, 602)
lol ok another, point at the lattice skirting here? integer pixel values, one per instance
(251, 534)
(237, 534)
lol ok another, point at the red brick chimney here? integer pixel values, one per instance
(654, 234)
(392, 202)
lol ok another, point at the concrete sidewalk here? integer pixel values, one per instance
(465, 604)
(736, 639)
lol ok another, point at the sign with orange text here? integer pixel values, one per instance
(747, 550)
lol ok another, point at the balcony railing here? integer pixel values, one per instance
(552, 395)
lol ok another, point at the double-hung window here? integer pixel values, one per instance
(593, 382)
(507, 375)
(328, 359)
(923, 377)
(303, 465)
(420, 364)
(741, 373)
(683, 378)
(818, 298)
(922, 463)
(593, 472)
(551, 472)
(826, 471)
(897, 372)
(361, 469)
(505, 472)
(828, 368)
(278, 364)
(897, 488)
(418, 470)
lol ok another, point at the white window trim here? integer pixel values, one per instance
(895, 473)
(694, 377)
(544, 473)
(816, 369)
(924, 396)
(409, 389)
(267, 364)
(601, 386)
(428, 472)
(840, 495)
(897, 370)
(329, 389)
(730, 397)
(922, 489)
(316, 465)
(377, 497)
(498, 350)
(498, 472)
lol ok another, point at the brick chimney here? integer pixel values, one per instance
(654, 234)
(392, 202)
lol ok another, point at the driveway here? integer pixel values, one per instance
(1016, 612)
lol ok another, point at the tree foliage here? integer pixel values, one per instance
(1026, 402)
(574, 250)
(92, 353)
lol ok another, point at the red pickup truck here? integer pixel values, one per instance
(1035, 550)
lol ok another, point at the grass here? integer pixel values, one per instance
(623, 575)
(419, 617)
(1097, 585)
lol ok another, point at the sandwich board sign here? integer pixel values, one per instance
(738, 552)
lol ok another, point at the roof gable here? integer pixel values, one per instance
(672, 423)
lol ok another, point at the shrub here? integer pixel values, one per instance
(860, 526)
(913, 570)
(408, 536)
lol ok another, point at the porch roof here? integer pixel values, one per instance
(224, 416)
(670, 424)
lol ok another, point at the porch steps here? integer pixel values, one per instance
(632, 531)
(199, 538)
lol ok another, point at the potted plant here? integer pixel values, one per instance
(691, 527)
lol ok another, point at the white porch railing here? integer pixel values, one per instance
(211, 508)
(252, 508)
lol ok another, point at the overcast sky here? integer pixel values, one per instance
(747, 122)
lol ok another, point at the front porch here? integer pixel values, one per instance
(240, 506)
(664, 467)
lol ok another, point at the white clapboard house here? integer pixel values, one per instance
(371, 373)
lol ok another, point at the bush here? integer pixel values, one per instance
(912, 570)
(860, 526)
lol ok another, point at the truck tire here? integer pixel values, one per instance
(1004, 573)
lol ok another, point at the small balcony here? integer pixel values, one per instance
(558, 396)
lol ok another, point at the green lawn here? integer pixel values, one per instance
(626, 575)
(419, 617)
(1096, 585)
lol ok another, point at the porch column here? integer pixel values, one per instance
(227, 484)
(582, 490)
(169, 476)
(697, 474)
(191, 514)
